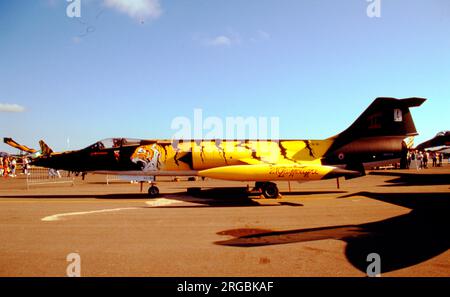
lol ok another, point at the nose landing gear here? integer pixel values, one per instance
(153, 191)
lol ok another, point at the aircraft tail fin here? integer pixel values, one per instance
(14, 144)
(384, 117)
(376, 137)
(45, 149)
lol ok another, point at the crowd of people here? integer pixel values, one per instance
(421, 159)
(9, 165)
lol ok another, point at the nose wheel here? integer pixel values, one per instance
(153, 191)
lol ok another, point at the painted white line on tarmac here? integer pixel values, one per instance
(59, 216)
(161, 202)
(153, 203)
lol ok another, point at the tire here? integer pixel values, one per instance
(259, 185)
(270, 191)
(153, 192)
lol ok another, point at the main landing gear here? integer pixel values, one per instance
(268, 189)
(153, 191)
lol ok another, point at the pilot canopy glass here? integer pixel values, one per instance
(114, 143)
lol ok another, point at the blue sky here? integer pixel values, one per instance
(128, 69)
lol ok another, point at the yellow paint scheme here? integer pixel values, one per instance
(267, 172)
(207, 154)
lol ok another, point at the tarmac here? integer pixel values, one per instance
(315, 229)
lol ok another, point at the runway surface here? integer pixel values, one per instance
(314, 230)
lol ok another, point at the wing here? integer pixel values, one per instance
(14, 144)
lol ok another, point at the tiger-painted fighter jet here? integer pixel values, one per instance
(376, 137)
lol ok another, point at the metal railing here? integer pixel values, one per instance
(43, 176)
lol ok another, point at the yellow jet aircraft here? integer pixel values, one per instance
(375, 138)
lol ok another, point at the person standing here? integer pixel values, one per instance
(5, 167)
(13, 167)
(419, 160)
(26, 166)
(1, 166)
(425, 160)
(408, 160)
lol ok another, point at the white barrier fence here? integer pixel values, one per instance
(43, 176)
(128, 178)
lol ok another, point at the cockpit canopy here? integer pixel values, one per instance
(114, 143)
(443, 133)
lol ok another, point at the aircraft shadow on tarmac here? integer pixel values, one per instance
(414, 179)
(210, 197)
(231, 196)
(221, 197)
(203, 200)
(401, 241)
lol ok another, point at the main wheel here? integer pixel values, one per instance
(270, 190)
(259, 185)
(153, 192)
